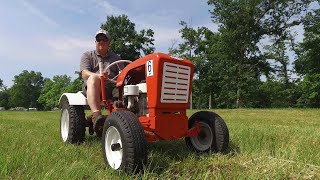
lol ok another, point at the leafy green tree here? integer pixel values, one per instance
(308, 64)
(274, 93)
(308, 52)
(4, 95)
(26, 89)
(126, 41)
(2, 87)
(310, 90)
(4, 99)
(193, 48)
(75, 85)
(53, 89)
(243, 25)
(277, 53)
(228, 64)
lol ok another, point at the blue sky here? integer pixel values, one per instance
(50, 36)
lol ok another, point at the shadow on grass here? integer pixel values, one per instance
(92, 140)
(164, 154)
(233, 149)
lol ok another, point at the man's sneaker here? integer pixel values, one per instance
(98, 123)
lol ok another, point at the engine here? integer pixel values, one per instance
(135, 98)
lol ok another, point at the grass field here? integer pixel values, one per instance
(265, 144)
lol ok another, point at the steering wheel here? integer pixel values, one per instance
(117, 64)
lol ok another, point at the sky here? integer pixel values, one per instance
(50, 36)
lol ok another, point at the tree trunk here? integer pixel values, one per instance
(238, 98)
(238, 87)
(210, 100)
(284, 64)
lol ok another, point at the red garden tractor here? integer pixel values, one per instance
(154, 93)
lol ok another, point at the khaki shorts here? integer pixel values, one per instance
(111, 91)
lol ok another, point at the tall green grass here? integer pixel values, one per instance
(265, 144)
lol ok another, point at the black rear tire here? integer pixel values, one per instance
(123, 142)
(214, 134)
(72, 124)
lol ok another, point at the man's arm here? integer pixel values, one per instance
(86, 66)
(86, 74)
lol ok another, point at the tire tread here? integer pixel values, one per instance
(76, 124)
(134, 142)
(219, 128)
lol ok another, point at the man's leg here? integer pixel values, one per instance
(93, 94)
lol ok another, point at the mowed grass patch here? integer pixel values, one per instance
(272, 143)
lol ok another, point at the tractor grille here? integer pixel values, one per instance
(175, 83)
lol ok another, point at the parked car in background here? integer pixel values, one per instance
(2, 108)
(20, 109)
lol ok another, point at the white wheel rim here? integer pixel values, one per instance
(114, 157)
(204, 140)
(64, 125)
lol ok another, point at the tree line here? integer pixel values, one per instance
(245, 64)
(235, 68)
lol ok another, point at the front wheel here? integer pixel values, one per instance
(123, 142)
(213, 136)
(72, 124)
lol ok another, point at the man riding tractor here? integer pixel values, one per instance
(152, 96)
(89, 68)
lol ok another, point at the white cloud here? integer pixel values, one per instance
(38, 13)
(50, 56)
(109, 8)
(67, 49)
(66, 44)
(54, 45)
(72, 6)
(164, 22)
(162, 34)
